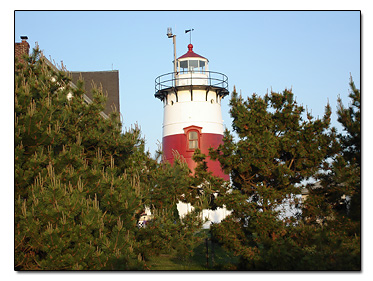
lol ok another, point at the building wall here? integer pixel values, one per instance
(179, 143)
(182, 112)
(195, 110)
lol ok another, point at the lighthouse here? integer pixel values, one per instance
(191, 97)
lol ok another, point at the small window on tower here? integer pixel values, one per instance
(183, 66)
(202, 66)
(193, 139)
(193, 65)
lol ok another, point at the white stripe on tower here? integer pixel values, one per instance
(199, 112)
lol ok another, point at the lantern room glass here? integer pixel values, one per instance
(191, 66)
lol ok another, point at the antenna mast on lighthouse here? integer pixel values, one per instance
(170, 35)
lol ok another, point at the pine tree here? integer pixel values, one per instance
(350, 118)
(167, 232)
(333, 209)
(277, 149)
(77, 176)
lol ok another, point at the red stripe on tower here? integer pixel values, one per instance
(186, 147)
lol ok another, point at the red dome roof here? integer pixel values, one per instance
(191, 54)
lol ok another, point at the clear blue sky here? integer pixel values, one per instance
(313, 53)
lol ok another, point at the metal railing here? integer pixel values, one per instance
(204, 78)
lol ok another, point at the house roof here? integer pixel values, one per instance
(109, 80)
(190, 53)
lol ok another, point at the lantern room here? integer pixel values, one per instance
(191, 69)
(191, 62)
(191, 66)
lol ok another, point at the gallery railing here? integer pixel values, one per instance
(203, 78)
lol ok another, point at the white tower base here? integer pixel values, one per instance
(212, 216)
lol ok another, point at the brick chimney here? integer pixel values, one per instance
(21, 49)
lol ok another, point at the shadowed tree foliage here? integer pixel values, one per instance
(81, 184)
(278, 147)
(168, 233)
(78, 178)
(340, 178)
(333, 207)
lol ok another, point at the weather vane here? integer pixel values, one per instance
(190, 35)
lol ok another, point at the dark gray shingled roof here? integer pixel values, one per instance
(109, 80)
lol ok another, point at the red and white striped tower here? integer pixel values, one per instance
(192, 119)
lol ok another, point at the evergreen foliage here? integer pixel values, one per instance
(333, 209)
(167, 233)
(77, 177)
(81, 184)
(341, 177)
(276, 151)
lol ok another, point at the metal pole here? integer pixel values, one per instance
(207, 252)
(174, 40)
(212, 248)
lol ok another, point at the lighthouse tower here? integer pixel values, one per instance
(191, 97)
